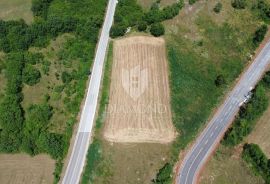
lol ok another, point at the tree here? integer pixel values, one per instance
(31, 75)
(220, 80)
(239, 4)
(142, 26)
(157, 29)
(218, 7)
(117, 30)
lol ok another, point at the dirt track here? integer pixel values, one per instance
(139, 105)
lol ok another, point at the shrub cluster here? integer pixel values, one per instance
(164, 175)
(239, 4)
(259, 35)
(130, 14)
(218, 7)
(248, 114)
(262, 7)
(255, 156)
(11, 112)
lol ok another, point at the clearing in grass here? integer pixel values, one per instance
(16, 9)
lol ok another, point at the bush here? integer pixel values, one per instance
(117, 30)
(157, 29)
(218, 7)
(220, 80)
(192, 1)
(66, 77)
(164, 175)
(259, 35)
(142, 26)
(253, 154)
(266, 79)
(239, 4)
(263, 9)
(31, 75)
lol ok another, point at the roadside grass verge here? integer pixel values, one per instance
(95, 155)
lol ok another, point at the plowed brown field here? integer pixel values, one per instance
(23, 169)
(139, 105)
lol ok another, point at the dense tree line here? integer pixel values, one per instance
(255, 156)
(11, 112)
(18, 36)
(130, 14)
(248, 114)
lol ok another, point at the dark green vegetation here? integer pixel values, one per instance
(94, 155)
(248, 115)
(31, 76)
(29, 124)
(253, 155)
(130, 14)
(262, 8)
(239, 4)
(218, 7)
(191, 2)
(259, 35)
(164, 175)
(157, 29)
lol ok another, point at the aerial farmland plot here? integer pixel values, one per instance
(139, 105)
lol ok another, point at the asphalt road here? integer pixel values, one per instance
(82, 141)
(212, 134)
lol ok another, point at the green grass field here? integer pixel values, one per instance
(16, 9)
(201, 47)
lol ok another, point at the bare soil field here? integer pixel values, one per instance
(16, 9)
(23, 169)
(139, 105)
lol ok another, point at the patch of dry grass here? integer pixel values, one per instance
(24, 169)
(16, 9)
(227, 167)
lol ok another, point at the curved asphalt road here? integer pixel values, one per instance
(213, 133)
(77, 159)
